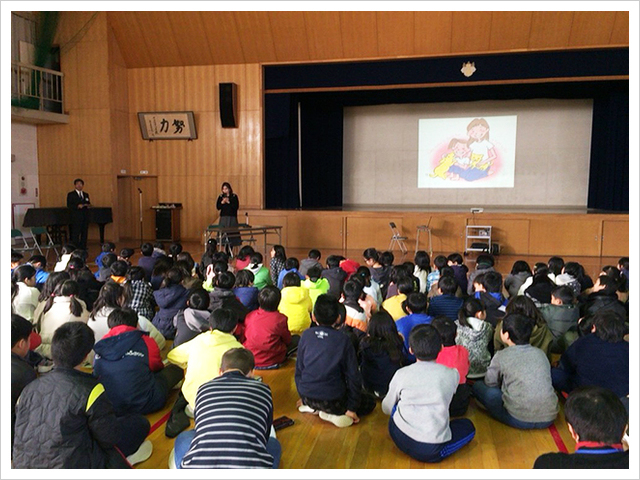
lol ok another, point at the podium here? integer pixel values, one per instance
(168, 221)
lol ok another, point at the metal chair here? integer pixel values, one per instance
(397, 238)
(38, 232)
(23, 244)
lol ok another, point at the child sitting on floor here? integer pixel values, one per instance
(352, 295)
(312, 260)
(475, 334)
(446, 303)
(454, 356)
(382, 354)
(597, 420)
(335, 275)
(327, 376)
(266, 332)
(419, 409)
(393, 305)
(415, 307)
(194, 319)
(561, 316)
(200, 358)
(517, 387)
(129, 365)
(598, 358)
(245, 291)
(295, 304)
(460, 271)
(87, 430)
(315, 283)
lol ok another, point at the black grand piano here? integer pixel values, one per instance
(56, 218)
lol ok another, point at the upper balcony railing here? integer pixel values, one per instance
(36, 88)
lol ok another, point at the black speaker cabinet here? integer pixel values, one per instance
(229, 105)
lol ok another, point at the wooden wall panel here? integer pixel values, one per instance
(375, 232)
(159, 38)
(201, 89)
(129, 35)
(565, 236)
(223, 37)
(252, 91)
(193, 48)
(510, 30)
(94, 141)
(257, 38)
(620, 34)
(289, 34)
(143, 153)
(120, 145)
(141, 89)
(511, 234)
(201, 152)
(470, 32)
(432, 32)
(446, 232)
(315, 231)
(359, 34)
(550, 29)
(172, 157)
(170, 89)
(395, 33)
(93, 78)
(69, 65)
(325, 35)
(615, 238)
(58, 148)
(591, 28)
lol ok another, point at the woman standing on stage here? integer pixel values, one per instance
(228, 205)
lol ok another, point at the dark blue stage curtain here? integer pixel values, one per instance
(321, 139)
(609, 169)
(281, 152)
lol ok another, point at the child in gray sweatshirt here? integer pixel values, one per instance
(517, 387)
(418, 402)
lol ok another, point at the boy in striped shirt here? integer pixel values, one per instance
(233, 415)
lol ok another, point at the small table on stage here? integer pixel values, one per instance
(244, 231)
(56, 217)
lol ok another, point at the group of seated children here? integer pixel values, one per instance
(424, 342)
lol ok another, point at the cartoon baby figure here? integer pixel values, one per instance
(459, 156)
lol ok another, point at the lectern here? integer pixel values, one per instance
(168, 221)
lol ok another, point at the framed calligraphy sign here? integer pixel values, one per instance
(167, 125)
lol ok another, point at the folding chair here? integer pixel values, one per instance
(23, 244)
(38, 232)
(397, 238)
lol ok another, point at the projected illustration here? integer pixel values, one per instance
(467, 152)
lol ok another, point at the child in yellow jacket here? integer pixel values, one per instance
(295, 304)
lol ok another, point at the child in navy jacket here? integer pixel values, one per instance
(327, 376)
(129, 365)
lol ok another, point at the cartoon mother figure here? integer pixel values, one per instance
(469, 159)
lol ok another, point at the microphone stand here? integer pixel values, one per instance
(140, 197)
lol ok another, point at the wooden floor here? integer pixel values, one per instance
(313, 443)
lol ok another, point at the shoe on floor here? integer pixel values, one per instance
(172, 460)
(142, 454)
(338, 420)
(178, 421)
(305, 409)
(188, 411)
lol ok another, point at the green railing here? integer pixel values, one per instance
(36, 88)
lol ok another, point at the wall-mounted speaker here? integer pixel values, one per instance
(229, 105)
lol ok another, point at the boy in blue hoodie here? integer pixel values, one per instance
(129, 365)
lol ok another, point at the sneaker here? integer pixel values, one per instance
(172, 461)
(178, 421)
(142, 454)
(188, 411)
(338, 420)
(306, 409)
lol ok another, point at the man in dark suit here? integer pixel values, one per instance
(78, 201)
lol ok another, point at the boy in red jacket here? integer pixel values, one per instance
(266, 332)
